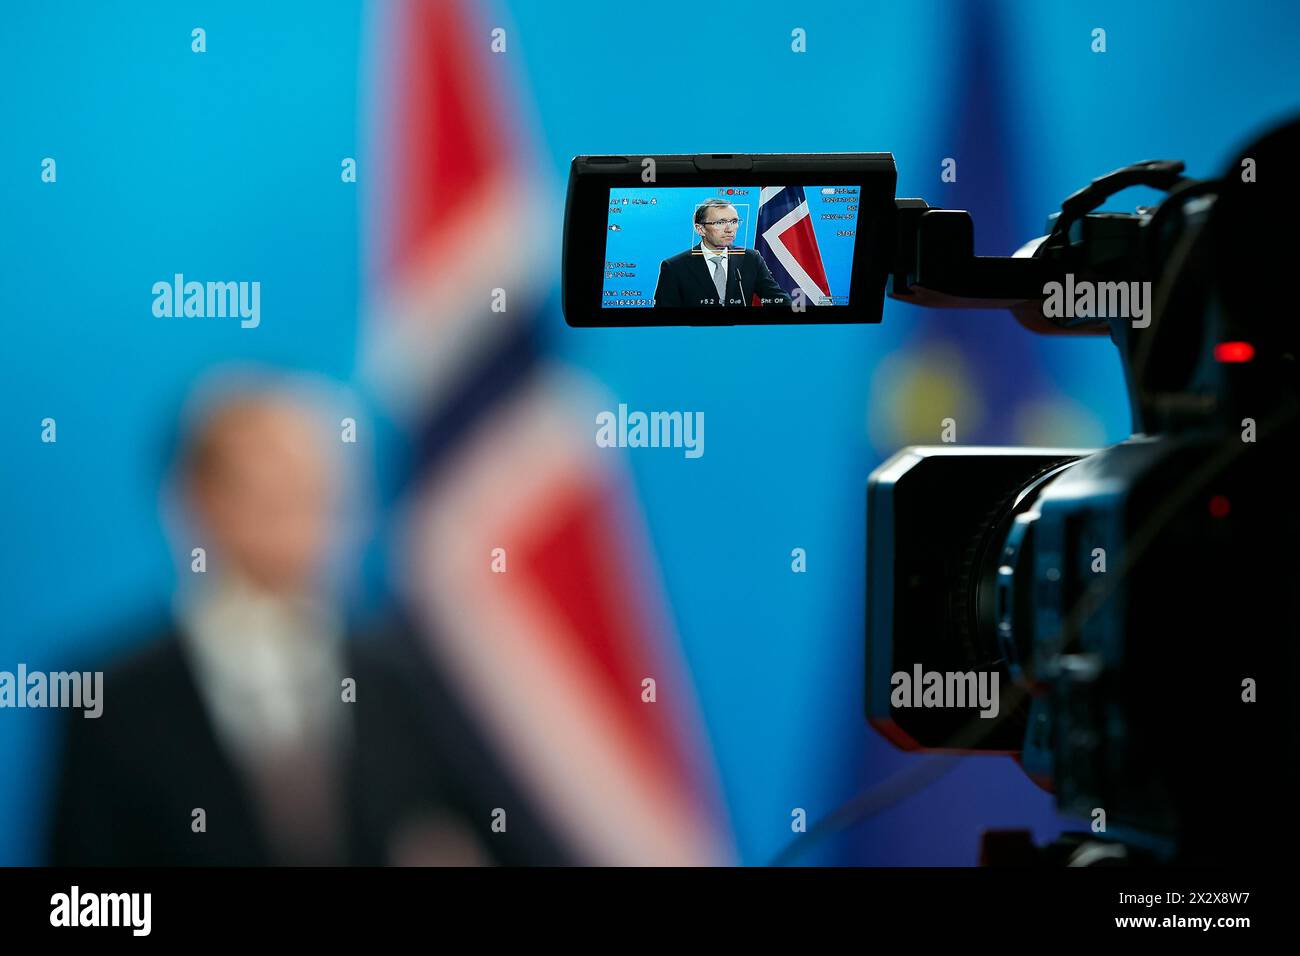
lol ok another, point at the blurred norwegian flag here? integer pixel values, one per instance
(549, 657)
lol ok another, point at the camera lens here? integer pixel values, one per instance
(993, 593)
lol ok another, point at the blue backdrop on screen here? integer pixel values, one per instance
(649, 224)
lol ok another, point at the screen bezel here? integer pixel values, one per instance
(587, 215)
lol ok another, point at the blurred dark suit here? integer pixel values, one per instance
(412, 770)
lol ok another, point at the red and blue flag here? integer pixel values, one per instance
(788, 244)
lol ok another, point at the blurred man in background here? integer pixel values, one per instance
(256, 731)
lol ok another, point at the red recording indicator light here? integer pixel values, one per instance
(1234, 352)
(1219, 507)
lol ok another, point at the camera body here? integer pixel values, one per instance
(1124, 621)
(1133, 603)
(1130, 602)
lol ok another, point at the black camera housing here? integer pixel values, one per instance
(936, 517)
(1138, 606)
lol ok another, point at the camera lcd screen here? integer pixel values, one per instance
(728, 239)
(740, 246)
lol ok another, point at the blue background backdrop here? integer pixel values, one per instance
(226, 166)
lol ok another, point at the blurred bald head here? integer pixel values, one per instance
(257, 477)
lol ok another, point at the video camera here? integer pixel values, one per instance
(1122, 621)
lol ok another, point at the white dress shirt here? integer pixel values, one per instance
(269, 669)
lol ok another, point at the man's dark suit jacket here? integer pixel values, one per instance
(686, 281)
(131, 777)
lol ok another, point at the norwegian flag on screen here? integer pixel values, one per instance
(548, 639)
(787, 243)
